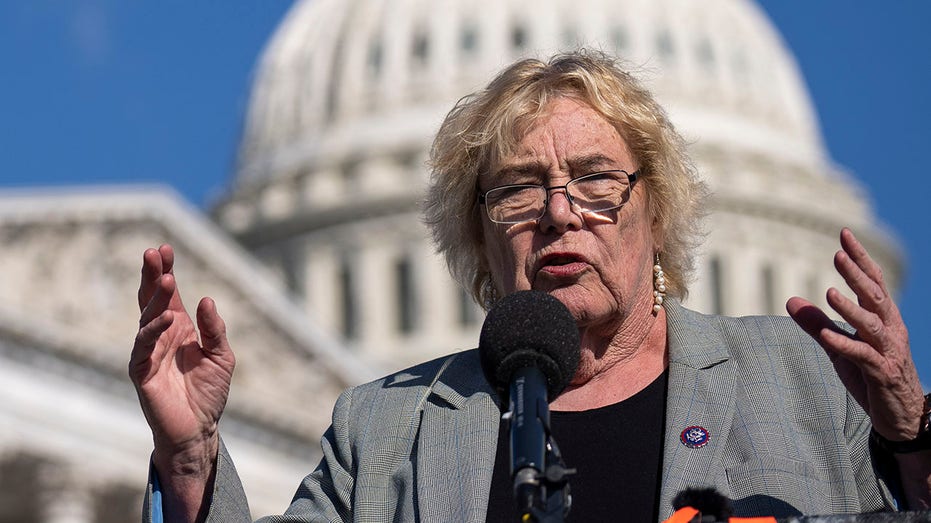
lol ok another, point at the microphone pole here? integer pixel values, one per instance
(529, 349)
(541, 487)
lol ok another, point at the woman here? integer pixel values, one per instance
(567, 177)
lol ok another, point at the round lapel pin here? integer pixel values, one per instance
(694, 437)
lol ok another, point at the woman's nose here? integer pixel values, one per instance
(560, 214)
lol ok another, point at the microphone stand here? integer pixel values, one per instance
(551, 486)
(541, 490)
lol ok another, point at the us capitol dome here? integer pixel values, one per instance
(321, 266)
(349, 93)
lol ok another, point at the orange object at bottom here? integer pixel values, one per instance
(689, 515)
(683, 515)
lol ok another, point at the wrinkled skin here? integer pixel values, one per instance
(182, 381)
(598, 264)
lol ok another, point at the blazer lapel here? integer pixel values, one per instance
(459, 424)
(700, 395)
(456, 446)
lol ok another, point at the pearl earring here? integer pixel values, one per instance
(659, 284)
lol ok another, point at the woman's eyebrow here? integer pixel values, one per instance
(521, 169)
(580, 165)
(591, 162)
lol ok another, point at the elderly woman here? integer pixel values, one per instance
(566, 177)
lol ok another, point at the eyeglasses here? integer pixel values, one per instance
(595, 192)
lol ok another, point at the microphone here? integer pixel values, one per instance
(529, 350)
(711, 504)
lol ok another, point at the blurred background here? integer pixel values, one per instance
(280, 147)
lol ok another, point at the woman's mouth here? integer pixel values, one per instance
(562, 265)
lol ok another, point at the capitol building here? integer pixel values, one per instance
(317, 256)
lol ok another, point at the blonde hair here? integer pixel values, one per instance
(486, 126)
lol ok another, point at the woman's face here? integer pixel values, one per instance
(598, 265)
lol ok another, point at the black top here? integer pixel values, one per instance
(617, 451)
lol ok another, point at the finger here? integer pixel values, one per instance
(870, 294)
(861, 354)
(832, 338)
(824, 331)
(212, 328)
(838, 347)
(850, 375)
(151, 272)
(869, 326)
(168, 258)
(147, 353)
(861, 257)
(155, 262)
(809, 317)
(160, 300)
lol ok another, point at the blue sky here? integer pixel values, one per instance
(111, 92)
(868, 67)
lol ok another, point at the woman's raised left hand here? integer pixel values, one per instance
(875, 363)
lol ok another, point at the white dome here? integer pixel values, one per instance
(348, 77)
(349, 93)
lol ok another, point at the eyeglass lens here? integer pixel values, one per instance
(592, 193)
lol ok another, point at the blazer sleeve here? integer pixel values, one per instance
(326, 493)
(877, 474)
(227, 503)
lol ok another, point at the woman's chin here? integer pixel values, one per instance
(583, 306)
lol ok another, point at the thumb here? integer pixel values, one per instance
(212, 328)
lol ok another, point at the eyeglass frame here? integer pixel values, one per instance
(631, 180)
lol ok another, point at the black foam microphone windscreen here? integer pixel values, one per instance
(530, 329)
(712, 505)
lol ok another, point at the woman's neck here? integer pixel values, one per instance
(615, 368)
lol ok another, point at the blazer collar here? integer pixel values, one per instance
(457, 443)
(693, 338)
(700, 395)
(460, 418)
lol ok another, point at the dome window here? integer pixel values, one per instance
(570, 38)
(349, 305)
(768, 278)
(468, 41)
(741, 68)
(469, 314)
(716, 282)
(406, 296)
(705, 53)
(411, 161)
(518, 38)
(620, 39)
(375, 58)
(664, 45)
(421, 48)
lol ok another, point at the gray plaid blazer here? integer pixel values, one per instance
(785, 438)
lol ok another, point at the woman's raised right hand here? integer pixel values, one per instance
(182, 379)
